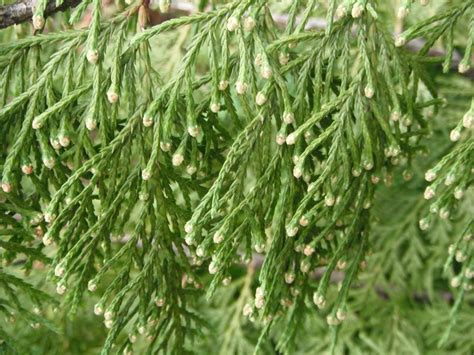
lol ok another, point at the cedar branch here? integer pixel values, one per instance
(22, 11)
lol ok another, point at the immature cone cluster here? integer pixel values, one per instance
(430, 175)
(218, 237)
(47, 240)
(91, 123)
(146, 174)
(429, 193)
(458, 193)
(92, 56)
(188, 227)
(98, 309)
(166, 146)
(308, 250)
(38, 22)
(259, 298)
(297, 171)
(213, 268)
(260, 99)
(424, 224)
(64, 140)
(177, 159)
(291, 139)
(59, 270)
(369, 91)
(400, 41)
(160, 302)
(215, 107)
(55, 143)
(291, 231)
(303, 221)
(60, 288)
(463, 68)
(280, 139)
(288, 117)
(249, 24)
(223, 84)
(468, 120)
(341, 264)
(27, 169)
(6, 187)
(164, 5)
(341, 11)
(357, 10)
(329, 200)
(112, 96)
(92, 286)
(455, 135)
(37, 123)
(283, 58)
(232, 24)
(147, 121)
(266, 72)
(193, 131)
(189, 240)
(240, 87)
(247, 311)
(49, 162)
(259, 248)
(403, 12)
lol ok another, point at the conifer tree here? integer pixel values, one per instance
(235, 177)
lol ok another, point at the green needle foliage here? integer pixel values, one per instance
(249, 177)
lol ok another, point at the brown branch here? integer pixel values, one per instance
(22, 11)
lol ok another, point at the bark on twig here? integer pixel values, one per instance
(22, 11)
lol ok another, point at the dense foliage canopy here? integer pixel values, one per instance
(237, 176)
